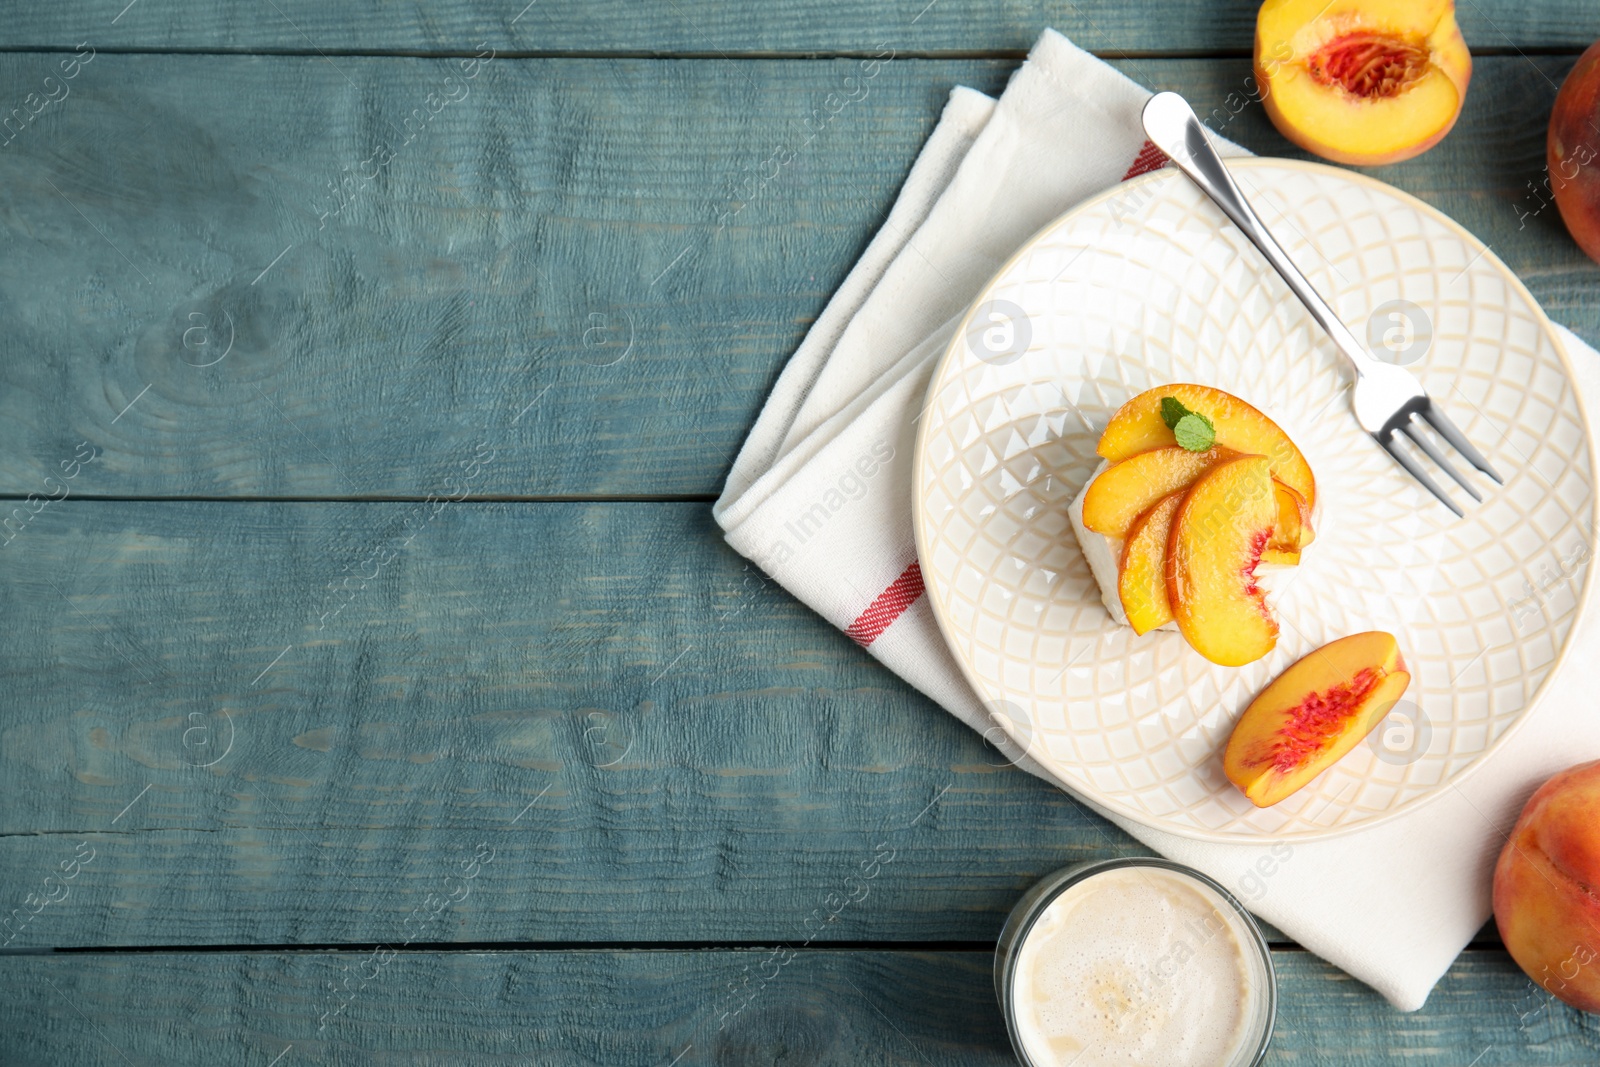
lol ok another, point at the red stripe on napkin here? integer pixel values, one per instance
(904, 590)
(1149, 158)
(889, 606)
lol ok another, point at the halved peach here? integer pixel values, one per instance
(1313, 713)
(1138, 427)
(1292, 532)
(1124, 491)
(1362, 81)
(1142, 575)
(1218, 533)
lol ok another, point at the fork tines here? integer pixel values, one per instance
(1401, 423)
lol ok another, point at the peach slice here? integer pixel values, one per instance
(1218, 533)
(1142, 576)
(1124, 491)
(1293, 529)
(1138, 427)
(1362, 81)
(1313, 713)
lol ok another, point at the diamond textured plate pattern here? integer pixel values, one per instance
(1150, 284)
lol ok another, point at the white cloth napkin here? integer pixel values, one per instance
(820, 497)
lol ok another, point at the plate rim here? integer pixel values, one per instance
(948, 630)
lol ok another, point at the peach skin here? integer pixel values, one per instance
(1547, 887)
(1571, 149)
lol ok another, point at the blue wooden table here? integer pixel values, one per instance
(377, 688)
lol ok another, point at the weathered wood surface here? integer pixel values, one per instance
(723, 1008)
(550, 239)
(703, 757)
(725, 27)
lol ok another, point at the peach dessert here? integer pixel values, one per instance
(1196, 489)
(1312, 714)
(1547, 887)
(1365, 82)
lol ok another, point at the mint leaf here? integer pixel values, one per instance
(1195, 432)
(1172, 410)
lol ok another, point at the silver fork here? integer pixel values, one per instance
(1386, 396)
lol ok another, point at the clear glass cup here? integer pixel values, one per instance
(1033, 903)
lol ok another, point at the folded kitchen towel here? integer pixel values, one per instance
(820, 498)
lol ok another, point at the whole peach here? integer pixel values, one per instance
(1572, 152)
(1547, 887)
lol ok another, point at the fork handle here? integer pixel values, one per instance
(1171, 125)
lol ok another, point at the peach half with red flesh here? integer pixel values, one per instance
(1312, 714)
(1218, 533)
(1364, 82)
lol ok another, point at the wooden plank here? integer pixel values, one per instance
(549, 267)
(540, 268)
(660, 1007)
(653, 741)
(727, 27)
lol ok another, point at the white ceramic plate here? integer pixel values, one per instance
(1149, 284)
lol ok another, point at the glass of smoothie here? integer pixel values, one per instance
(1134, 963)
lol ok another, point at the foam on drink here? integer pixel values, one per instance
(1136, 967)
